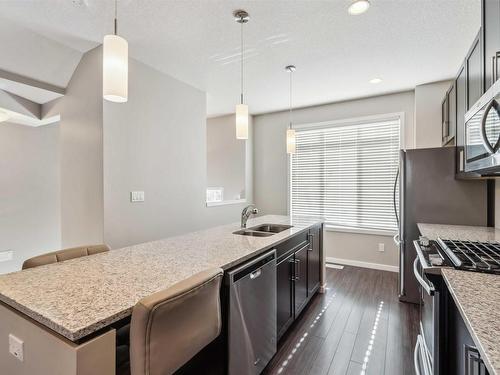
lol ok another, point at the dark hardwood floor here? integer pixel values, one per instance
(357, 327)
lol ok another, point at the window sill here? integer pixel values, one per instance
(225, 203)
(376, 232)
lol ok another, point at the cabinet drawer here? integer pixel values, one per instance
(292, 244)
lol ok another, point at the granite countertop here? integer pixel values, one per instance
(477, 296)
(80, 296)
(459, 232)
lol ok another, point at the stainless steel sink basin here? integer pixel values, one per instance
(270, 228)
(246, 232)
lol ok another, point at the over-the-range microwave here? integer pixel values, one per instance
(482, 134)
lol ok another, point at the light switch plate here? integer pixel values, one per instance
(16, 347)
(381, 247)
(6, 255)
(136, 196)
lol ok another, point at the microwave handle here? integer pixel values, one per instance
(486, 144)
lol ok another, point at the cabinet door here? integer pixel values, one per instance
(474, 365)
(300, 279)
(474, 73)
(461, 92)
(444, 120)
(491, 40)
(285, 307)
(313, 260)
(452, 112)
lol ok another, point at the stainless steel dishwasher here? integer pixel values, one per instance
(252, 315)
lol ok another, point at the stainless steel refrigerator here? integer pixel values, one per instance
(429, 193)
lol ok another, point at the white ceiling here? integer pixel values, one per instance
(404, 42)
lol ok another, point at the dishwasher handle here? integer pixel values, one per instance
(252, 268)
(256, 274)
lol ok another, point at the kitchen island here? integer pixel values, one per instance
(77, 300)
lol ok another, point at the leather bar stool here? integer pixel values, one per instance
(170, 327)
(62, 255)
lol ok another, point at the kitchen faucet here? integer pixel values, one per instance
(245, 214)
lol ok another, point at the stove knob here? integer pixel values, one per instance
(424, 241)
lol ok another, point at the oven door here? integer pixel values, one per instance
(429, 322)
(482, 133)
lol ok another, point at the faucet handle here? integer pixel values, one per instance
(255, 211)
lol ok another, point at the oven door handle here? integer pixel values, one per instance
(416, 351)
(428, 288)
(419, 350)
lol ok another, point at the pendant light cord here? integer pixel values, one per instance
(290, 111)
(116, 17)
(241, 61)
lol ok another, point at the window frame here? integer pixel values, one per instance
(346, 122)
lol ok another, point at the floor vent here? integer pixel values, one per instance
(333, 265)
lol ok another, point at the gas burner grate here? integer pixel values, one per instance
(473, 255)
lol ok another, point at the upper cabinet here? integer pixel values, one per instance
(449, 117)
(474, 64)
(491, 40)
(460, 109)
(476, 75)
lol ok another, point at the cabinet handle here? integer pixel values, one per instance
(293, 274)
(494, 67)
(493, 58)
(297, 269)
(311, 242)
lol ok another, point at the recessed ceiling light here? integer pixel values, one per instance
(4, 116)
(358, 7)
(375, 80)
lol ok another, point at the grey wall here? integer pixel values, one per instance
(81, 153)
(30, 217)
(156, 142)
(226, 157)
(428, 99)
(271, 163)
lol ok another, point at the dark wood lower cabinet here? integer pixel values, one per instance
(300, 279)
(314, 259)
(285, 307)
(462, 356)
(298, 275)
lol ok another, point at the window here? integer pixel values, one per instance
(345, 173)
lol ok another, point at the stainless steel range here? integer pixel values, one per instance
(472, 255)
(432, 256)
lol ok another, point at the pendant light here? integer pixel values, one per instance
(241, 17)
(115, 66)
(290, 133)
(4, 116)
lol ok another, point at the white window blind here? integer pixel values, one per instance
(345, 173)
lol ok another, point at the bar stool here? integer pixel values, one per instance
(170, 327)
(62, 255)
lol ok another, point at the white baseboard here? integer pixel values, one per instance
(357, 263)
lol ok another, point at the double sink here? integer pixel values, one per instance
(263, 230)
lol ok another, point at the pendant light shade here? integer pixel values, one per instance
(290, 133)
(115, 66)
(115, 69)
(241, 17)
(4, 116)
(241, 121)
(290, 141)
